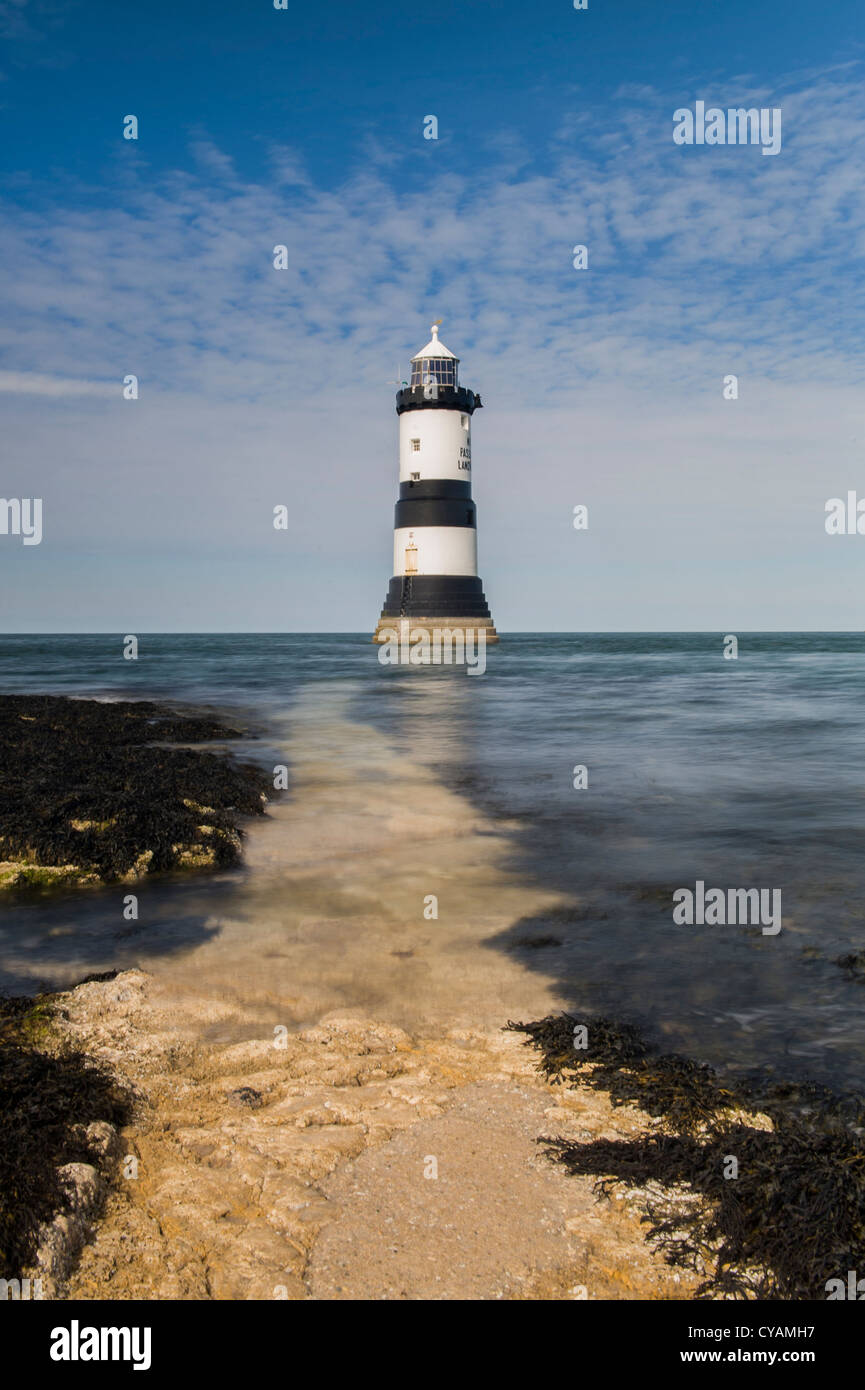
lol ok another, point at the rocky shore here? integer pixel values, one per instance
(354, 1160)
(350, 1160)
(323, 1099)
(60, 1120)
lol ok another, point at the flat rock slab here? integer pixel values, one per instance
(494, 1220)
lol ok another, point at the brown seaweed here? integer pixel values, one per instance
(90, 786)
(47, 1100)
(791, 1219)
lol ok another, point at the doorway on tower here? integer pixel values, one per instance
(406, 587)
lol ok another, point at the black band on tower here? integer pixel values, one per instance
(435, 596)
(435, 487)
(446, 398)
(434, 511)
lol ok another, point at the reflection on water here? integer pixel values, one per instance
(737, 773)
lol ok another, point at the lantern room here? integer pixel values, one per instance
(435, 363)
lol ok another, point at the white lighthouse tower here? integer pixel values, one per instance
(435, 580)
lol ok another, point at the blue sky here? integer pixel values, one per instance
(261, 387)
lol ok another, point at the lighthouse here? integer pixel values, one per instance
(435, 582)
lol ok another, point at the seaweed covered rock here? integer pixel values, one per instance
(59, 1118)
(775, 1170)
(92, 791)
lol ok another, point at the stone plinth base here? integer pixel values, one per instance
(389, 627)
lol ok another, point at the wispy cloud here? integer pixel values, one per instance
(688, 249)
(34, 384)
(261, 386)
(31, 29)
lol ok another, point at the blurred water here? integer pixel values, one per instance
(741, 773)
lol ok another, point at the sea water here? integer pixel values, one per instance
(626, 767)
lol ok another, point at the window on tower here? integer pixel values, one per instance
(442, 370)
(415, 446)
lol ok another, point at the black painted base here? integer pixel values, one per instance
(441, 595)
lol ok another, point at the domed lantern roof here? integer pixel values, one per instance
(435, 362)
